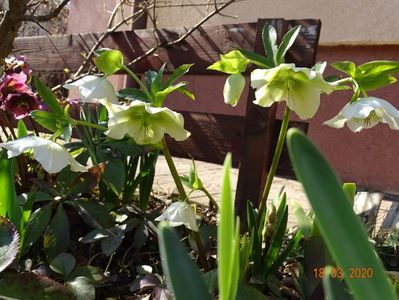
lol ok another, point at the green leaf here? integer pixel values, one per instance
(304, 222)
(182, 275)
(233, 62)
(347, 67)
(48, 97)
(333, 287)
(228, 272)
(179, 72)
(109, 61)
(9, 240)
(340, 228)
(350, 191)
(46, 119)
(157, 85)
(378, 67)
(95, 275)
(82, 288)
(247, 292)
(92, 213)
(9, 206)
(22, 130)
(269, 37)
(132, 94)
(36, 225)
(161, 95)
(256, 59)
(33, 287)
(185, 92)
(111, 243)
(63, 263)
(288, 40)
(56, 236)
(147, 173)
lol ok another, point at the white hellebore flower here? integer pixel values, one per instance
(52, 156)
(92, 89)
(300, 87)
(366, 113)
(233, 88)
(179, 213)
(144, 123)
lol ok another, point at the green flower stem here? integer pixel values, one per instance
(139, 82)
(88, 124)
(210, 197)
(276, 159)
(173, 171)
(183, 196)
(343, 81)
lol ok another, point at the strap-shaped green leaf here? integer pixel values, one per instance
(340, 228)
(182, 275)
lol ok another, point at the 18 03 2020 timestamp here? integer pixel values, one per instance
(338, 272)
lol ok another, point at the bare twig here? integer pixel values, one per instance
(43, 18)
(184, 36)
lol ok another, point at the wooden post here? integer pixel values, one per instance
(257, 139)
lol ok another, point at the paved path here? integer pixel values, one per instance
(211, 176)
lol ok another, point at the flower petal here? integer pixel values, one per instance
(337, 122)
(179, 213)
(52, 156)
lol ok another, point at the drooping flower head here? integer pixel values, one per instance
(52, 156)
(366, 113)
(14, 83)
(144, 123)
(17, 64)
(92, 89)
(20, 105)
(179, 213)
(299, 87)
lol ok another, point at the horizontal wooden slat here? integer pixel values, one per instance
(202, 47)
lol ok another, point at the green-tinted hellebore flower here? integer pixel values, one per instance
(52, 156)
(233, 88)
(144, 123)
(299, 87)
(366, 113)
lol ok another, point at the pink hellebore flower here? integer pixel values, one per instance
(15, 83)
(20, 105)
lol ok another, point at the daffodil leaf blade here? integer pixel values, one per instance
(344, 235)
(109, 61)
(48, 97)
(288, 40)
(334, 287)
(269, 37)
(177, 73)
(9, 206)
(346, 67)
(182, 275)
(233, 62)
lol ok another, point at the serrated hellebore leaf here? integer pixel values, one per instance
(48, 97)
(56, 236)
(9, 240)
(63, 264)
(288, 40)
